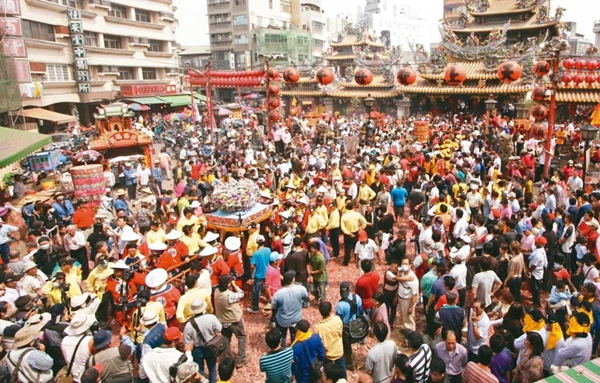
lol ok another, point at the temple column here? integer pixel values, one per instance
(402, 108)
(522, 110)
(328, 103)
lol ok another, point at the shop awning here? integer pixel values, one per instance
(586, 373)
(17, 144)
(48, 115)
(146, 100)
(180, 99)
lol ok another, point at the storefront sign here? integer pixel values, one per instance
(123, 138)
(81, 62)
(421, 131)
(10, 7)
(44, 161)
(22, 70)
(14, 47)
(113, 111)
(11, 26)
(147, 90)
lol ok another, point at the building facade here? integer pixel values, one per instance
(195, 57)
(231, 24)
(453, 9)
(313, 20)
(79, 53)
(395, 24)
(597, 33)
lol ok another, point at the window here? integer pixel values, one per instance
(270, 4)
(286, 6)
(113, 42)
(149, 73)
(57, 73)
(155, 46)
(109, 69)
(38, 31)
(240, 20)
(302, 40)
(73, 3)
(91, 39)
(241, 39)
(125, 73)
(118, 11)
(242, 2)
(143, 16)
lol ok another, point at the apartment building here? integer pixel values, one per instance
(79, 53)
(313, 20)
(453, 9)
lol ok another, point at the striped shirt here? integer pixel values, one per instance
(475, 373)
(420, 362)
(278, 366)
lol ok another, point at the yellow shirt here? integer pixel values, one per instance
(334, 220)
(330, 331)
(96, 280)
(73, 278)
(337, 174)
(315, 223)
(184, 222)
(252, 246)
(322, 211)
(183, 306)
(158, 308)
(352, 221)
(54, 295)
(370, 177)
(529, 186)
(341, 203)
(560, 137)
(365, 193)
(193, 243)
(155, 236)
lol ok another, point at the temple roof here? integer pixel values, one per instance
(378, 82)
(344, 93)
(352, 40)
(583, 96)
(474, 26)
(475, 70)
(423, 85)
(500, 7)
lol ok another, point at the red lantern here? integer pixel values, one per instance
(541, 68)
(406, 76)
(291, 74)
(568, 64)
(539, 93)
(590, 79)
(509, 71)
(273, 90)
(591, 65)
(578, 79)
(363, 76)
(274, 116)
(539, 130)
(598, 79)
(325, 76)
(566, 78)
(275, 102)
(455, 75)
(273, 73)
(539, 112)
(580, 64)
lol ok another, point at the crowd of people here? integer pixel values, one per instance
(466, 266)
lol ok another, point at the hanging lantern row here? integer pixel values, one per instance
(580, 64)
(539, 112)
(227, 81)
(579, 78)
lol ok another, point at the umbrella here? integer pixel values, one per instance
(247, 109)
(125, 158)
(224, 112)
(251, 95)
(174, 117)
(138, 107)
(88, 156)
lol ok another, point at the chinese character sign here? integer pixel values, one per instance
(10, 7)
(76, 27)
(77, 40)
(79, 52)
(83, 76)
(81, 64)
(84, 88)
(74, 14)
(14, 47)
(11, 26)
(22, 70)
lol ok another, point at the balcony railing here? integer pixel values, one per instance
(218, 3)
(218, 22)
(167, 15)
(100, 3)
(139, 40)
(596, 26)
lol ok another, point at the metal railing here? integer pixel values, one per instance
(218, 3)
(104, 3)
(169, 15)
(139, 40)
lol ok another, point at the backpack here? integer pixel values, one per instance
(358, 329)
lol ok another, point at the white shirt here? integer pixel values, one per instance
(75, 242)
(514, 205)
(144, 175)
(459, 272)
(4, 230)
(83, 353)
(29, 285)
(366, 251)
(460, 228)
(538, 259)
(156, 363)
(407, 290)
(483, 325)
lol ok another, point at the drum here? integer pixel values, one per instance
(88, 183)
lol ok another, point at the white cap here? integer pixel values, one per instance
(149, 317)
(157, 246)
(465, 238)
(210, 236)
(285, 214)
(304, 200)
(265, 194)
(173, 234)
(233, 243)
(260, 239)
(119, 265)
(321, 189)
(156, 278)
(195, 204)
(130, 235)
(79, 300)
(28, 266)
(208, 250)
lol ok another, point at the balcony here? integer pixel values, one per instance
(34, 43)
(110, 51)
(454, 2)
(139, 41)
(168, 16)
(597, 27)
(133, 23)
(140, 82)
(100, 4)
(158, 54)
(218, 3)
(221, 64)
(451, 15)
(44, 4)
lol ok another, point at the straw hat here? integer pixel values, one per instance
(120, 192)
(157, 246)
(28, 266)
(208, 251)
(149, 317)
(173, 234)
(198, 306)
(130, 235)
(233, 243)
(156, 278)
(80, 323)
(79, 300)
(25, 336)
(119, 265)
(210, 237)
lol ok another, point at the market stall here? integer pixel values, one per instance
(587, 372)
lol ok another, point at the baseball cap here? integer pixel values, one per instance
(362, 235)
(590, 286)
(172, 334)
(541, 241)
(344, 289)
(562, 273)
(275, 256)
(260, 239)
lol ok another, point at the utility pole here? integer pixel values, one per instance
(552, 110)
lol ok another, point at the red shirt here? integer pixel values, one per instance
(219, 267)
(167, 259)
(442, 301)
(195, 171)
(83, 218)
(366, 287)
(169, 296)
(236, 262)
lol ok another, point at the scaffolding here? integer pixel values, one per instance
(283, 44)
(11, 103)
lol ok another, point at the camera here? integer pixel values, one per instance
(127, 275)
(64, 287)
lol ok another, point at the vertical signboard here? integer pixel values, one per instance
(82, 71)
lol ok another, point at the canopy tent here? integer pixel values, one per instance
(17, 144)
(48, 115)
(586, 373)
(146, 100)
(180, 99)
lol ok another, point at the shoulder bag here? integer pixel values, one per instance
(14, 377)
(216, 346)
(314, 371)
(64, 375)
(357, 329)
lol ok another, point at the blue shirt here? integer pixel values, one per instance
(304, 353)
(438, 289)
(399, 195)
(260, 260)
(157, 174)
(278, 366)
(288, 303)
(323, 249)
(501, 364)
(64, 209)
(130, 177)
(120, 204)
(343, 309)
